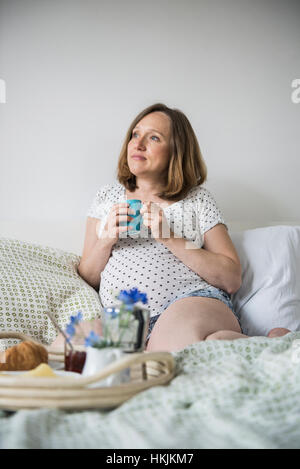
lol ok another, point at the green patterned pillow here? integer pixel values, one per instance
(35, 279)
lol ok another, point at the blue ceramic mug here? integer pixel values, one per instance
(135, 223)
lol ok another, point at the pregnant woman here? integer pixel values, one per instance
(183, 257)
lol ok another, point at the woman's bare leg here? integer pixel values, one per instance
(226, 335)
(231, 335)
(278, 332)
(190, 320)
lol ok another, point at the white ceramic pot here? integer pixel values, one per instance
(97, 359)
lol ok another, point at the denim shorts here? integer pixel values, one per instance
(208, 292)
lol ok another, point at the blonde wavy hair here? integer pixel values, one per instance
(186, 169)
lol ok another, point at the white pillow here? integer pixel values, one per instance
(270, 292)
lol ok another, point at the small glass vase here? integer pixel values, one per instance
(127, 328)
(97, 359)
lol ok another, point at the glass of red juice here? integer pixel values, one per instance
(74, 359)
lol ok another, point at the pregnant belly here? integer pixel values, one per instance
(161, 281)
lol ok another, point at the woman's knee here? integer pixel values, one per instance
(171, 333)
(218, 335)
(188, 321)
(226, 335)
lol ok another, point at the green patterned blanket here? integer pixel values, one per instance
(227, 394)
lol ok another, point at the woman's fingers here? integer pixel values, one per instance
(122, 208)
(151, 217)
(120, 212)
(146, 207)
(154, 218)
(123, 218)
(118, 221)
(123, 212)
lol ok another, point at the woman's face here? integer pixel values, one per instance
(148, 151)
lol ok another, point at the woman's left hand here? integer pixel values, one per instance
(154, 218)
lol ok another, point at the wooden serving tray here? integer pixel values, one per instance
(29, 392)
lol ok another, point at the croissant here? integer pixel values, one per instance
(24, 356)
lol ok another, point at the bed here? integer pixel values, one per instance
(226, 394)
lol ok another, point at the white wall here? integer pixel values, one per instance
(77, 73)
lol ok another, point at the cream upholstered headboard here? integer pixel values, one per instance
(69, 235)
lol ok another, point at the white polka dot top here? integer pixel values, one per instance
(138, 260)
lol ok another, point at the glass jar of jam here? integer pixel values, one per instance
(74, 359)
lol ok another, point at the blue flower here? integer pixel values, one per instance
(132, 296)
(74, 320)
(70, 330)
(92, 339)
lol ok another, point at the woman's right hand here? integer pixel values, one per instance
(112, 229)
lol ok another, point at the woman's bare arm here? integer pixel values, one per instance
(217, 262)
(97, 249)
(95, 255)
